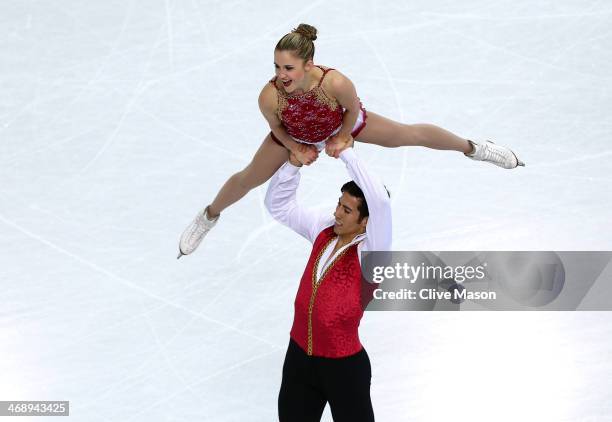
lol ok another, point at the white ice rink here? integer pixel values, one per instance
(120, 119)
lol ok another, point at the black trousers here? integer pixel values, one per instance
(309, 382)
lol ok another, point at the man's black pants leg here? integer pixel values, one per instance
(310, 382)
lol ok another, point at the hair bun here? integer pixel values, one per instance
(307, 31)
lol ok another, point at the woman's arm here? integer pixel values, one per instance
(343, 90)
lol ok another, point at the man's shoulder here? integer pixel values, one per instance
(326, 233)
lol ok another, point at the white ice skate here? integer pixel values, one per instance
(195, 232)
(495, 154)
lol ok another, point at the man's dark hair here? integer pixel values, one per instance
(352, 189)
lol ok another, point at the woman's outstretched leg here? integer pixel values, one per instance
(388, 133)
(268, 158)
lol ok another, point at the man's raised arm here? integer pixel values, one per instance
(379, 226)
(282, 204)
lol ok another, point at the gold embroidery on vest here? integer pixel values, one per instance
(315, 287)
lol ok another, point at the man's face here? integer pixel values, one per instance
(346, 215)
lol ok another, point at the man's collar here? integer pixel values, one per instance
(358, 238)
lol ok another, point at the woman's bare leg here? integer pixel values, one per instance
(388, 133)
(268, 158)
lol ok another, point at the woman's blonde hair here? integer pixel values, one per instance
(300, 41)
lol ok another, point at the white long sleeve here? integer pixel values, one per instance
(379, 233)
(282, 204)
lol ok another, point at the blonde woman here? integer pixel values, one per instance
(310, 108)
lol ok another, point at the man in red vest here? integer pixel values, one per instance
(325, 361)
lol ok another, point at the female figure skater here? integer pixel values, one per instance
(311, 107)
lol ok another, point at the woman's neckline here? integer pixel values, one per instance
(305, 92)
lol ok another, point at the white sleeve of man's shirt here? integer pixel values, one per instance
(282, 204)
(379, 227)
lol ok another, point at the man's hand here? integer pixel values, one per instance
(338, 143)
(305, 154)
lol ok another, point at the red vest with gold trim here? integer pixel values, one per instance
(327, 313)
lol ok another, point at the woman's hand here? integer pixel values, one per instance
(305, 154)
(338, 143)
(294, 161)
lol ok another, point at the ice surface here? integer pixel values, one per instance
(120, 119)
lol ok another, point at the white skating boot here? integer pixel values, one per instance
(195, 232)
(495, 154)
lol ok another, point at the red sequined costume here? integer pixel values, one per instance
(312, 117)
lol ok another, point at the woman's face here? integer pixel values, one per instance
(291, 70)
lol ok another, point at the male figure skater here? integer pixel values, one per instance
(325, 361)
